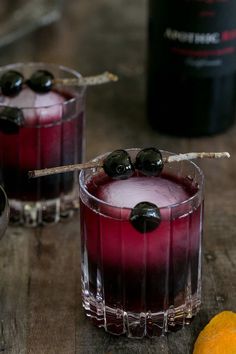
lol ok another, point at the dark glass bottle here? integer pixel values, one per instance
(191, 66)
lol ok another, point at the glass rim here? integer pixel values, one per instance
(43, 64)
(171, 206)
(2, 190)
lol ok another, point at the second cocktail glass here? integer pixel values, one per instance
(141, 283)
(41, 130)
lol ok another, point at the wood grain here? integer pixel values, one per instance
(40, 301)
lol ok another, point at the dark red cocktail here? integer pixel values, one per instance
(142, 283)
(48, 133)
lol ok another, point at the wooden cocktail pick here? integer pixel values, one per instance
(99, 163)
(88, 80)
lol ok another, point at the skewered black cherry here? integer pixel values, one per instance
(41, 81)
(11, 83)
(118, 165)
(149, 161)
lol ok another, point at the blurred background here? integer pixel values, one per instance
(91, 37)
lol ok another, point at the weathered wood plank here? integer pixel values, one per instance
(14, 270)
(40, 301)
(54, 269)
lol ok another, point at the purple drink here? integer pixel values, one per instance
(50, 134)
(141, 283)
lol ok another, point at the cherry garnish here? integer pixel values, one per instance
(149, 161)
(145, 217)
(11, 83)
(41, 81)
(118, 165)
(11, 119)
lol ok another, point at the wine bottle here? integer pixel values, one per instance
(191, 85)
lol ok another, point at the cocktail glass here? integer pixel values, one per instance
(4, 212)
(49, 133)
(142, 284)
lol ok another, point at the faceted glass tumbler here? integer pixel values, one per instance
(142, 284)
(47, 135)
(4, 212)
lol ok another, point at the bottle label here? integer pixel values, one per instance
(199, 36)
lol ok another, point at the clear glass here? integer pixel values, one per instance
(50, 135)
(142, 284)
(4, 212)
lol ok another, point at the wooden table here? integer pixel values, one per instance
(40, 301)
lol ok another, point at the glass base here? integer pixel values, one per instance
(138, 325)
(41, 213)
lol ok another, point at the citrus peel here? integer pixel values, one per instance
(218, 336)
